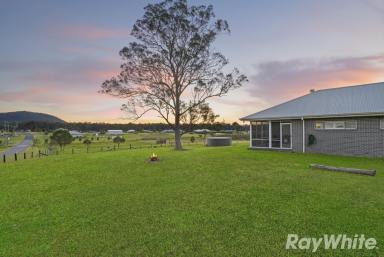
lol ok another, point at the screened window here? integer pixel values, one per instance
(382, 124)
(260, 134)
(338, 124)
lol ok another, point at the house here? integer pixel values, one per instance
(76, 134)
(345, 121)
(168, 131)
(201, 131)
(115, 132)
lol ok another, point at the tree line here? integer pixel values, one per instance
(39, 126)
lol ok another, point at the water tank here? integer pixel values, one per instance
(219, 141)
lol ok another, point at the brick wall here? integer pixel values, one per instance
(366, 140)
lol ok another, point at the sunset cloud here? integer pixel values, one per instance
(86, 32)
(71, 72)
(282, 80)
(55, 55)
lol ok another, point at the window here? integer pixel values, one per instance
(351, 124)
(260, 134)
(330, 125)
(338, 124)
(319, 125)
(274, 134)
(382, 124)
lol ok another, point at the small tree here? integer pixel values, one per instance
(118, 140)
(87, 142)
(62, 137)
(200, 114)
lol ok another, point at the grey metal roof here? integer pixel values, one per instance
(335, 102)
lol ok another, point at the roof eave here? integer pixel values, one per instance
(347, 115)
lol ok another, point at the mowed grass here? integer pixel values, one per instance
(226, 201)
(105, 142)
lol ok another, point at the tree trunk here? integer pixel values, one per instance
(178, 145)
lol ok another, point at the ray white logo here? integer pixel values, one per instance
(341, 241)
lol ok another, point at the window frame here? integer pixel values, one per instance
(382, 123)
(335, 125)
(258, 127)
(319, 123)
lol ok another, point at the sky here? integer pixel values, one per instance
(54, 55)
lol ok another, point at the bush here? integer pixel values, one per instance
(192, 139)
(118, 140)
(87, 142)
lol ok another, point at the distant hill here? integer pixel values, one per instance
(25, 116)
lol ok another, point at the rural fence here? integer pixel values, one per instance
(41, 153)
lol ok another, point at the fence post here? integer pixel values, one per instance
(25, 156)
(39, 153)
(130, 146)
(87, 149)
(102, 149)
(15, 156)
(114, 147)
(73, 151)
(4, 158)
(32, 154)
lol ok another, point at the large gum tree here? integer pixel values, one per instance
(171, 67)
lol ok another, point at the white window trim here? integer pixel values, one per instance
(270, 138)
(281, 135)
(334, 128)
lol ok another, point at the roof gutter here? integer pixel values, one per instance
(370, 114)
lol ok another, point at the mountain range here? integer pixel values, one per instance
(24, 116)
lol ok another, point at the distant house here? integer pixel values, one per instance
(115, 132)
(131, 131)
(168, 131)
(201, 131)
(76, 134)
(346, 121)
(171, 131)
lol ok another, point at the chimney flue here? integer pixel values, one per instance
(312, 91)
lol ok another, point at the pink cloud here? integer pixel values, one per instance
(281, 80)
(90, 32)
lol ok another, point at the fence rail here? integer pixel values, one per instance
(41, 153)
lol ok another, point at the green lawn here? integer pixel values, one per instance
(200, 202)
(105, 142)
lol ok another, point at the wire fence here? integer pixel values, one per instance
(32, 153)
